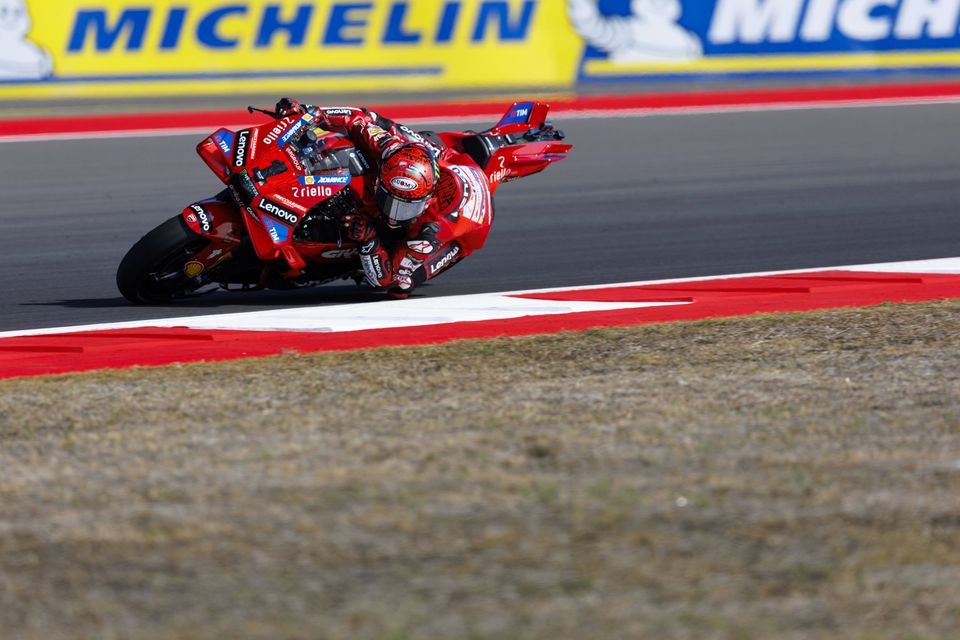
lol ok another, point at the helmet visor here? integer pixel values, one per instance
(398, 211)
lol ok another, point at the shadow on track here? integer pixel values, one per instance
(261, 299)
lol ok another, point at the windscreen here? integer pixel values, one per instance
(325, 152)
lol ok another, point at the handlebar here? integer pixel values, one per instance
(272, 114)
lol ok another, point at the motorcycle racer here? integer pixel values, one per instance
(297, 187)
(415, 227)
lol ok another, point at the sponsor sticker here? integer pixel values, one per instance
(337, 254)
(420, 246)
(411, 134)
(278, 232)
(442, 260)
(240, 153)
(202, 217)
(290, 203)
(253, 144)
(403, 184)
(372, 269)
(292, 154)
(475, 205)
(323, 179)
(277, 130)
(272, 208)
(361, 161)
(246, 184)
(224, 140)
(377, 267)
(498, 174)
(312, 192)
(293, 131)
(192, 269)
(519, 114)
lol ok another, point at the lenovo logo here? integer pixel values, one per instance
(278, 212)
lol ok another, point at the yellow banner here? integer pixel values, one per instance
(105, 48)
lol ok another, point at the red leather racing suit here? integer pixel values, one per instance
(454, 224)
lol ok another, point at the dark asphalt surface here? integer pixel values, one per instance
(638, 198)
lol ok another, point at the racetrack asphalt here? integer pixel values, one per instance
(638, 199)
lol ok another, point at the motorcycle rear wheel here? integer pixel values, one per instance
(152, 272)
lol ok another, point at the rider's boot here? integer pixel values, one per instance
(402, 285)
(411, 257)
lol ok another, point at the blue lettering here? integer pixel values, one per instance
(134, 21)
(207, 33)
(448, 20)
(296, 27)
(500, 10)
(395, 32)
(341, 20)
(171, 33)
(293, 131)
(348, 24)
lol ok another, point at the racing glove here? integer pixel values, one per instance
(357, 228)
(287, 107)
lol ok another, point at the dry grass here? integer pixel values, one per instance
(788, 477)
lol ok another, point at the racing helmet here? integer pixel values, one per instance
(408, 177)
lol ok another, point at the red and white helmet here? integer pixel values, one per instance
(408, 177)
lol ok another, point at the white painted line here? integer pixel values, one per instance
(390, 314)
(561, 114)
(935, 265)
(448, 309)
(385, 314)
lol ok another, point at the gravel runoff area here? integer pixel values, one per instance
(790, 476)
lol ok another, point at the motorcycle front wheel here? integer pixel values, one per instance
(153, 271)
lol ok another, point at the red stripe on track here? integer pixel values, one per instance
(84, 351)
(238, 118)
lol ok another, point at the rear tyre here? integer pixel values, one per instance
(152, 272)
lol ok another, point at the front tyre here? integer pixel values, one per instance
(152, 272)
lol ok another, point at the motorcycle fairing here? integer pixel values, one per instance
(511, 162)
(279, 233)
(220, 223)
(520, 117)
(465, 201)
(277, 172)
(520, 144)
(519, 113)
(224, 139)
(288, 135)
(213, 152)
(215, 219)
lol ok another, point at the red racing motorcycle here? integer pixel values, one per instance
(277, 225)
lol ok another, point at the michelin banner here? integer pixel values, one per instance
(72, 48)
(628, 39)
(130, 47)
